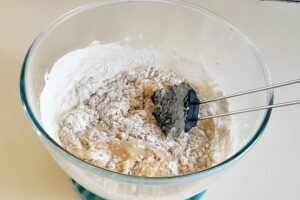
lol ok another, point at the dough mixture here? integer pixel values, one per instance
(109, 122)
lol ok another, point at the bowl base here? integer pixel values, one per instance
(87, 195)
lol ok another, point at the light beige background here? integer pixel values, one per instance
(269, 171)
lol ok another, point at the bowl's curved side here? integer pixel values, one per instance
(74, 161)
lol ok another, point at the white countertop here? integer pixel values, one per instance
(271, 170)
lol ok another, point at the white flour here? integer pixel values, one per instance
(102, 111)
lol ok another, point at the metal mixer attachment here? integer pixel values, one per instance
(177, 106)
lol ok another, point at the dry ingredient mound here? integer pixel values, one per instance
(113, 127)
(97, 104)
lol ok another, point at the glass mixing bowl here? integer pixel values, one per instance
(229, 56)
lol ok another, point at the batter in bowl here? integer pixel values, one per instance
(103, 112)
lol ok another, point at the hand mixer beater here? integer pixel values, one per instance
(177, 107)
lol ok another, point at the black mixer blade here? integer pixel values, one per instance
(176, 108)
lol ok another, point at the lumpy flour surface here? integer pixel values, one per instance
(97, 104)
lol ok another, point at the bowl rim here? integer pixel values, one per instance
(141, 179)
